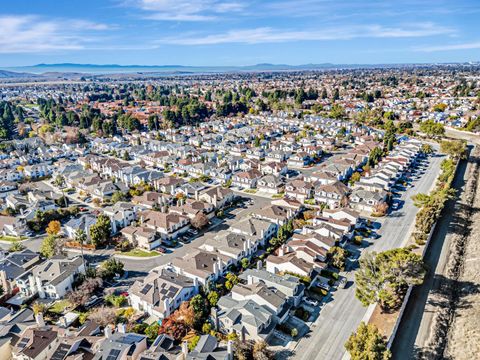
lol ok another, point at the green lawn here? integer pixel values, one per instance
(11, 238)
(59, 306)
(140, 253)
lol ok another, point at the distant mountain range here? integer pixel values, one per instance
(58, 70)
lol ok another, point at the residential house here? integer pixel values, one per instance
(202, 265)
(274, 213)
(168, 225)
(51, 279)
(13, 226)
(246, 179)
(366, 200)
(249, 320)
(84, 222)
(287, 284)
(332, 194)
(270, 184)
(263, 230)
(141, 236)
(218, 196)
(15, 265)
(299, 189)
(161, 292)
(121, 214)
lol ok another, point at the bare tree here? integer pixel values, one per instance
(103, 316)
(199, 221)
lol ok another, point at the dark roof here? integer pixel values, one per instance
(41, 339)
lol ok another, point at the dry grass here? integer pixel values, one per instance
(384, 321)
(464, 335)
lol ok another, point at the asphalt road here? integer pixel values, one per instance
(415, 326)
(342, 315)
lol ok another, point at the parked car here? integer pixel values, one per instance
(92, 301)
(310, 302)
(342, 283)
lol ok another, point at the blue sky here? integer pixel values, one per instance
(238, 32)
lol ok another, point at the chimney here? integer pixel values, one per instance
(195, 283)
(196, 194)
(166, 306)
(281, 250)
(64, 321)
(39, 320)
(122, 328)
(259, 265)
(230, 349)
(185, 349)
(214, 313)
(108, 332)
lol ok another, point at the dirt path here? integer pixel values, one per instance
(452, 332)
(464, 334)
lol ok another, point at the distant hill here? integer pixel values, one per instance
(171, 69)
(71, 70)
(4, 74)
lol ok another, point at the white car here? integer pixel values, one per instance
(310, 302)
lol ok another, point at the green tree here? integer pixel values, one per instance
(49, 246)
(337, 257)
(206, 328)
(152, 331)
(421, 199)
(232, 280)
(111, 267)
(375, 155)
(199, 306)
(432, 129)
(118, 196)
(426, 149)
(354, 178)
(115, 300)
(245, 262)
(337, 112)
(384, 277)
(16, 246)
(454, 148)
(101, 230)
(367, 344)
(213, 298)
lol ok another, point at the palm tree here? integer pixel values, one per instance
(81, 237)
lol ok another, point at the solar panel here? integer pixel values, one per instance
(23, 343)
(113, 354)
(146, 289)
(62, 350)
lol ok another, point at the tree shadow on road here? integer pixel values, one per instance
(284, 354)
(428, 354)
(442, 293)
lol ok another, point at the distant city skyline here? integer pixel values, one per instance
(238, 33)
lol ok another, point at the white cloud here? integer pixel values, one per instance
(271, 35)
(188, 10)
(451, 47)
(31, 34)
